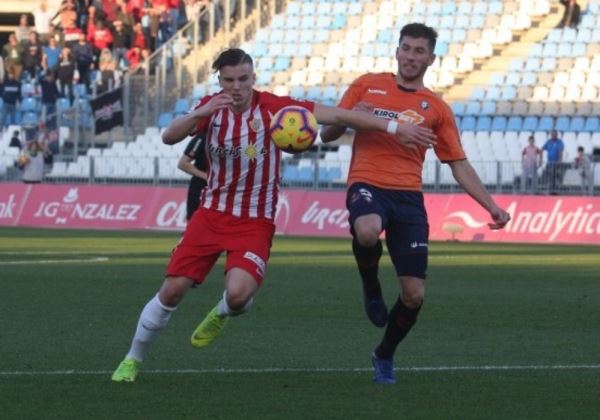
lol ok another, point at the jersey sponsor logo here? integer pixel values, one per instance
(251, 151)
(407, 116)
(377, 91)
(260, 263)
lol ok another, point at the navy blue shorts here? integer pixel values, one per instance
(404, 220)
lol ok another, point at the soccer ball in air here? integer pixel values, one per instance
(293, 129)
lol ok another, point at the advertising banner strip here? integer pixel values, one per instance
(535, 219)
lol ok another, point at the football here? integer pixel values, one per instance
(293, 129)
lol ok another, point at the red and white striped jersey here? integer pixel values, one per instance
(244, 165)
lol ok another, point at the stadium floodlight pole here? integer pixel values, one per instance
(146, 89)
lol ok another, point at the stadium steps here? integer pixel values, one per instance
(500, 62)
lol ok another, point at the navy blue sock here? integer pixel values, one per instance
(401, 320)
(367, 259)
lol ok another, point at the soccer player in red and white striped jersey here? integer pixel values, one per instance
(237, 208)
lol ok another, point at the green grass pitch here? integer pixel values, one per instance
(506, 332)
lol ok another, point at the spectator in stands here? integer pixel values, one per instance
(42, 18)
(110, 8)
(13, 56)
(193, 162)
(571, 14)
(583, 164)
(15, 141)
(101, 38)
(385, 186)
(109, 76)
(83, 12)
(31, 161)
(84, 60)
(133, 57)
(122, 40)
(68, 15)
(531, 160)
(554, 147)
(50, 93)
(139, 39)
(11, 96)
(66, 74)
(124, 16)
(22, 31)
(51, 55)
(32, 56)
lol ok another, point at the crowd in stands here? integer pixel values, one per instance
(86, 42)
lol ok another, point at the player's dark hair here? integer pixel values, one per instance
(231, 57)
(419, 30)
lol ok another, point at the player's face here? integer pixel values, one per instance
(238, 81)
(413, 57)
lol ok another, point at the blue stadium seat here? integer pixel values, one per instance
(29, 105)
(181, 106)
(592, 125)
(468, 123)
(306, 174)
(473, 108)
(199, 91)
(514, 124)
(488, 108)
(290, 173)
(509, 93)
(546, 123)
(483, 124)
(458, 108)
(577, 124)
(499, 123)
(29, 119)
(281, 63)
(27, 89)
(164, 119)
(493, 93)
(297, 92)
(530, 123)
(478, 93)
(562, 123)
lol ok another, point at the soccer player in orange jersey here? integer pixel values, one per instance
(385, 187)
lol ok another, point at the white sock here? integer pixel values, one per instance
(154, 317)
(224, 310)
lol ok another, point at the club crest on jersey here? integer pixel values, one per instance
(255, 125)
(424, 104)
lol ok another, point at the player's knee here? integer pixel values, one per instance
(413, 297)
(238, 301)
(173, 290)
(367, 235)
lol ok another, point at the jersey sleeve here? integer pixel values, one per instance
(353, 95)
(203, 123)
(274, 103)
(448, 148)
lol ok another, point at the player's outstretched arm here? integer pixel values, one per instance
(408, 135)
(183, 126)
(333, 132)
(468, 179)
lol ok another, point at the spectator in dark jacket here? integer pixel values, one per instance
(32, 58)
(13, 56)
(66, 73)
(50, 93)
(122, 39)
(84, 60)
(11, 96)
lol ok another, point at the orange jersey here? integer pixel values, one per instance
(377, 157)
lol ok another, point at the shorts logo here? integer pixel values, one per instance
(260, 263)
(418, 244)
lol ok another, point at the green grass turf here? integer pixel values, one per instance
(70, 302)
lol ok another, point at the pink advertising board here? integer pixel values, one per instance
(535, 219)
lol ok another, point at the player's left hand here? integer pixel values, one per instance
(500, 216)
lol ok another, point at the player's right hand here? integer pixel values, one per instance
(215, 103)
(413, 136)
